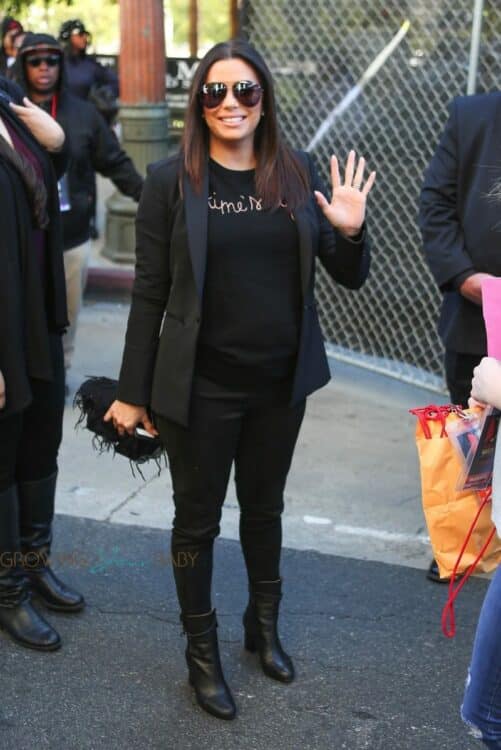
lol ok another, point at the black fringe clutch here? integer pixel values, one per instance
(93, 399)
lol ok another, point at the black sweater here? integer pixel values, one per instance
(252, 292)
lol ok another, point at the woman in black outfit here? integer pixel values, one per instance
(227, 234)
(32, 319)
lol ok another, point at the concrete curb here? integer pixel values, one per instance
(109, 282)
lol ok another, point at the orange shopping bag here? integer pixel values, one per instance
(450, 515)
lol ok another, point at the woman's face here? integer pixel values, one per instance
(79, 40)
(9, 41)
(231, 122)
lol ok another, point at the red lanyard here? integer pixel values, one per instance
(448, 619)
(53, 106)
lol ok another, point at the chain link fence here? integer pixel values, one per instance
(377, 76)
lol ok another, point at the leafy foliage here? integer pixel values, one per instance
(101, 17)
(14, 7)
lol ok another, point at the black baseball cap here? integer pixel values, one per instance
(73, 26)
(36, 42)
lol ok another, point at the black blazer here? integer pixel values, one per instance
(30, 310)
(171, 247)
(460, 224)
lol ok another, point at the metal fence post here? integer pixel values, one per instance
(476, 33)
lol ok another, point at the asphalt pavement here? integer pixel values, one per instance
(373, 670)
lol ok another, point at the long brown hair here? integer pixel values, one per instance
(280, 176)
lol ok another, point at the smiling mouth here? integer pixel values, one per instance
(233, 120)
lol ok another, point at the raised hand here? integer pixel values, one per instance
(42, 126)
(346, 210)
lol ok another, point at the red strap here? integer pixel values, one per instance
(435, 414)
(448, 619)
(53, 106)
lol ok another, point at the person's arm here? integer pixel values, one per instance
(61, 159)
(11, 90)
(345, 258)
(439, 220)
(149, 299)
(46, 131)
(41, 125)
(109, 159)
(107, 76)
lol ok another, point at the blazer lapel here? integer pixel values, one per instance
(305, 247)
(196, 214)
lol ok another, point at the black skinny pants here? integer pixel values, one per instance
(29, 440)
(258, 432)
(458, 374)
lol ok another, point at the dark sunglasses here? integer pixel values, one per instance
(50, 60)
(249, 94)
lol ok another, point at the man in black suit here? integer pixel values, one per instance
(461, 229)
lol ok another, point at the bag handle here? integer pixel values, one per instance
(435, 413)
(448, 618)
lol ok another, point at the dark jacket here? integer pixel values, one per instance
(3, 62)
(93, 148)
(83, 71)
(460, 223)
(30, 306)
(171, 246)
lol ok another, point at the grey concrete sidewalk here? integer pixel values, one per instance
(353, 488)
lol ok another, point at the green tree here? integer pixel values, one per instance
(16, 7)
(102, 18)
(213, 23)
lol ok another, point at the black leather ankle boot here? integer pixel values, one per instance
(18, 617)
(261, 634)
(36, 510)
(204, 665)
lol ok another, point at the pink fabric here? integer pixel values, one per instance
(491, 308)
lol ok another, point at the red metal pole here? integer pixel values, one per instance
(142, 52)
(234, 18)
(193, 33)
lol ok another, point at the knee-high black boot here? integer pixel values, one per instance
(36, 510)
(204, 665)
(18, 617)
(261, 634)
